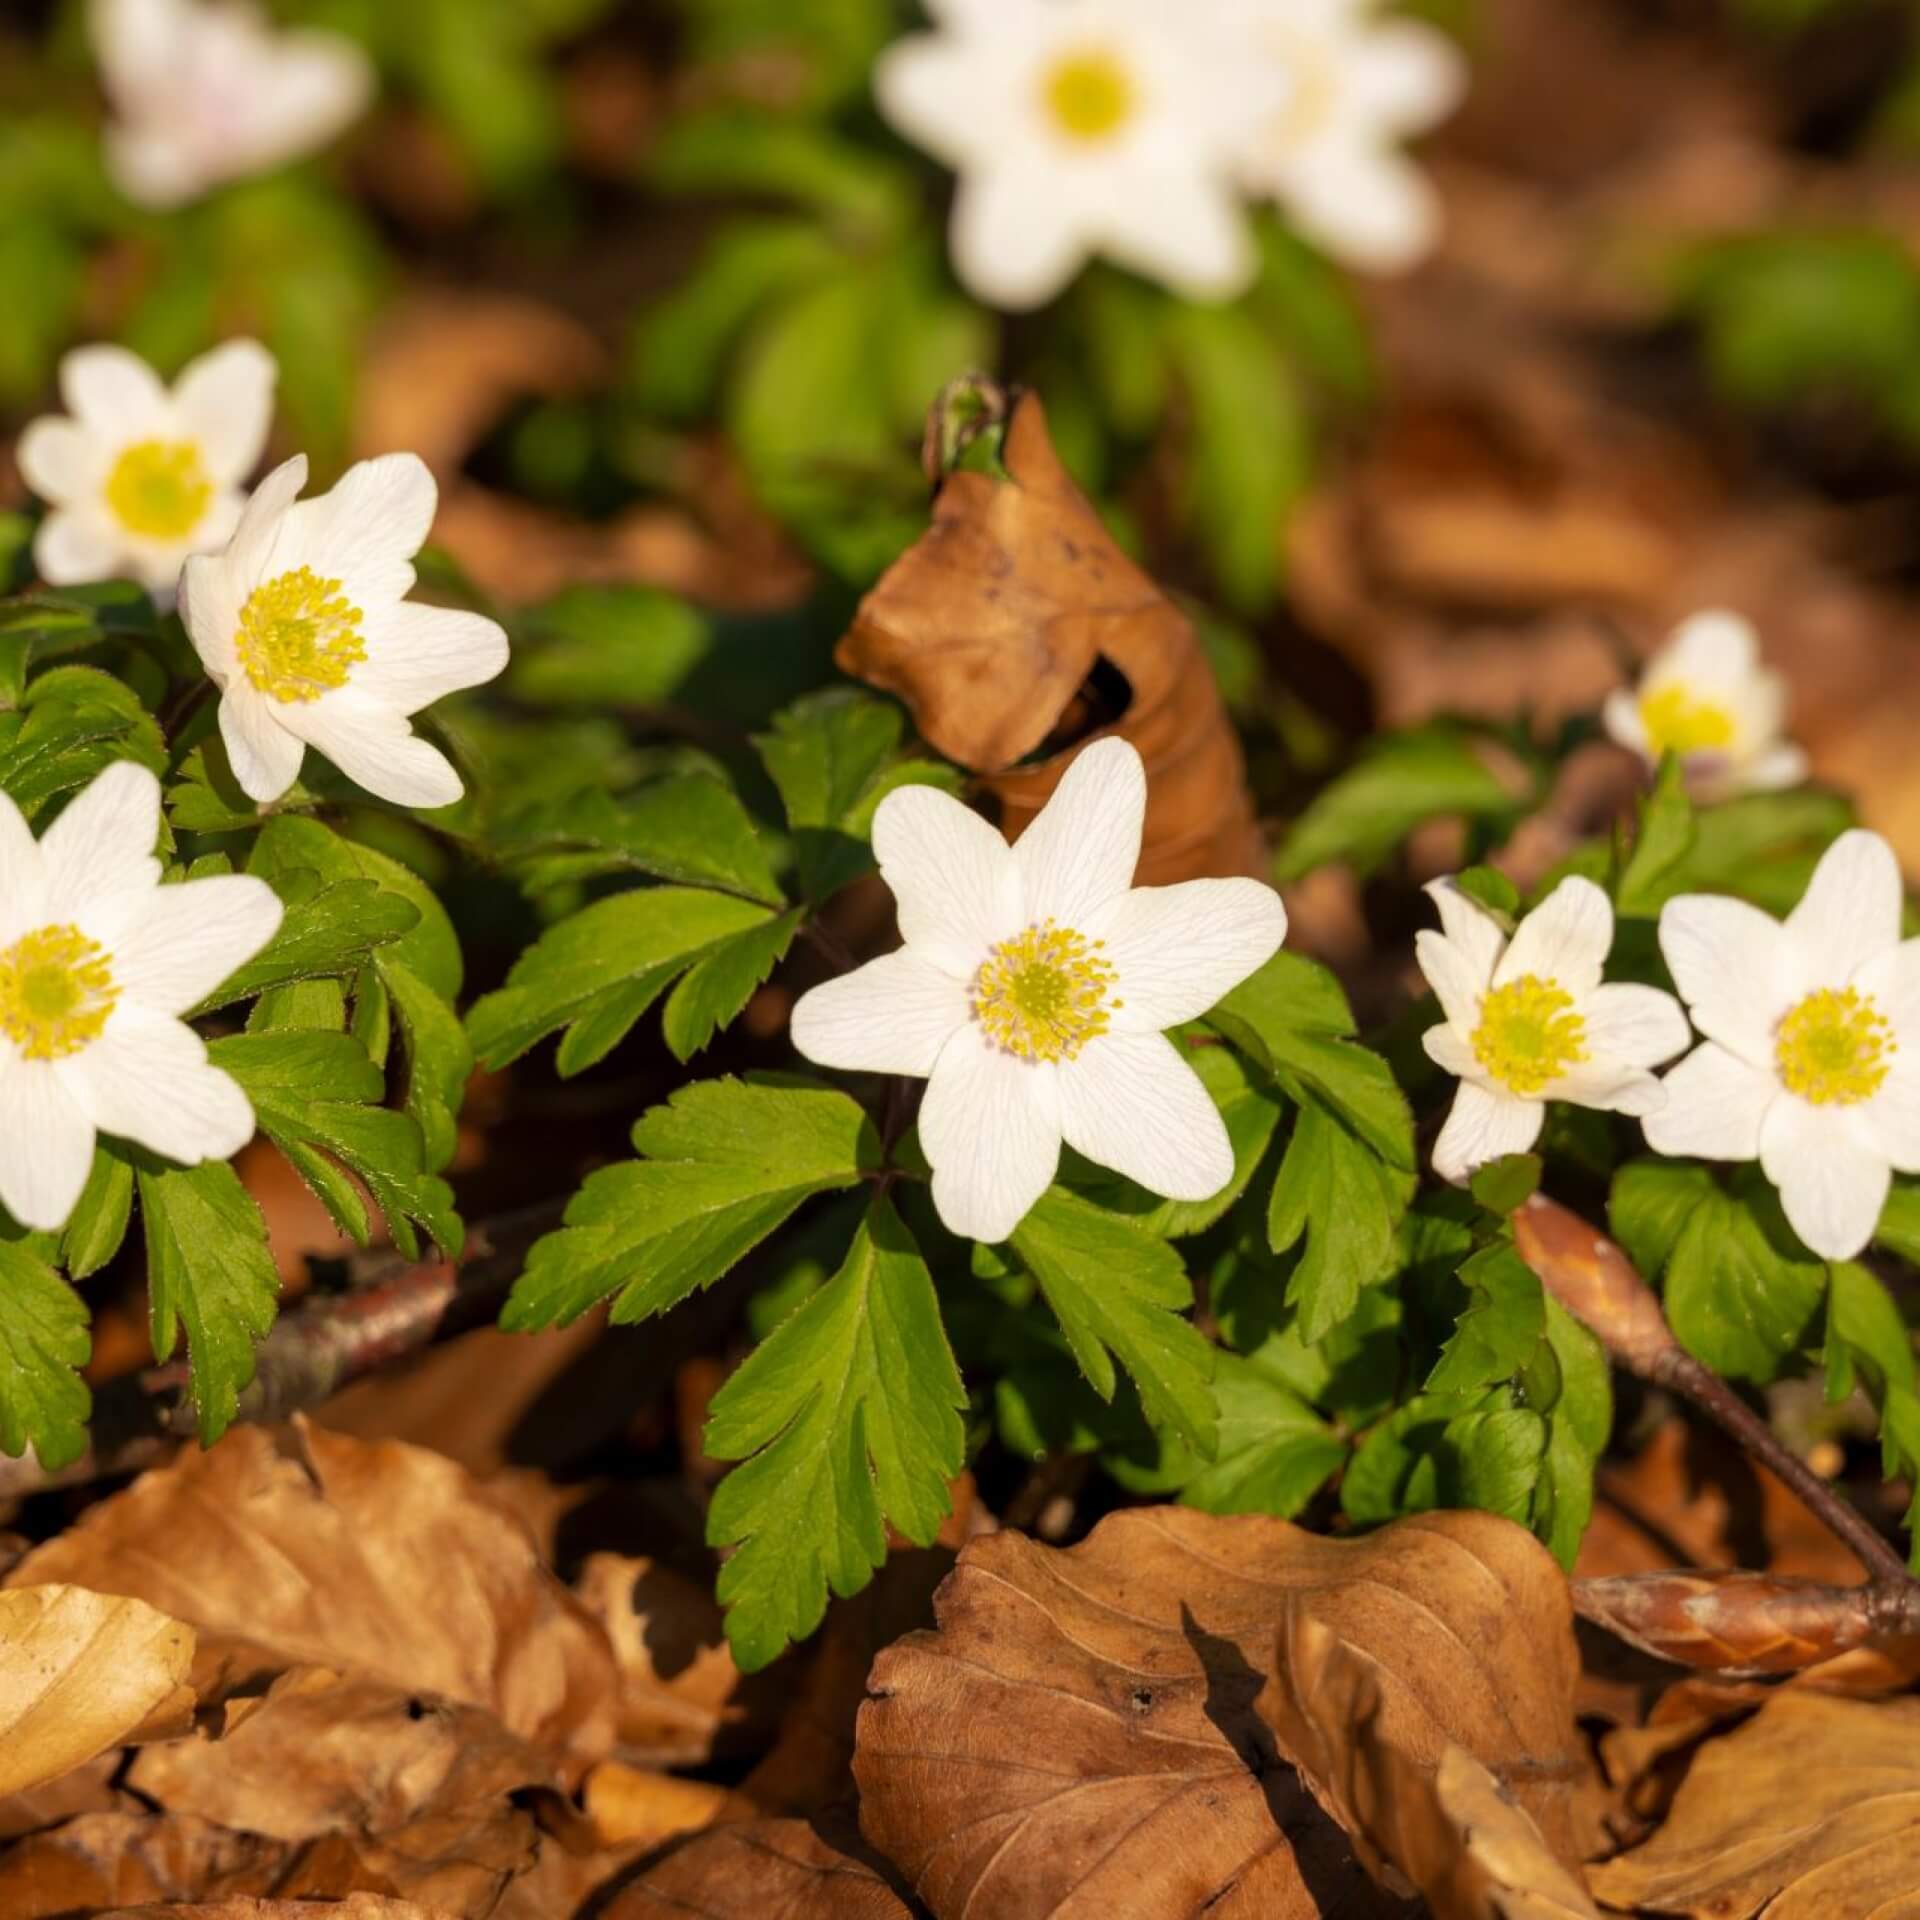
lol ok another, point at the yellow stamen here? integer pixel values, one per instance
(1678, 723)
(1090, 95)
(1834, 1048)
(1528, 1034)
(56, 990)
(159, 489)
(1044, 994)
(299, 637)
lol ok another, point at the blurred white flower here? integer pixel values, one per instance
(1083, 127)
(1033, 990)
(1811, 1061)
(97, 962)
(304, 625)
(205, 91)
(1706, 697)
(1529, 1020)
(140, 476)
(1357, 86)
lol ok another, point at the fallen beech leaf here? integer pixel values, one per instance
(109, 1860)
(386, 1561)
(990, 625)
(86, 1789)
(634, 1805)
(1811, 1810)
(1078, 1736)
(81, 1672)
(1503, 1870)
(456, 1864)
(759, 1871)
(356, 1906)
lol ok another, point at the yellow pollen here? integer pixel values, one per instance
(56, 990)
(1528, 1034)
(1834, 1048)
(159, 489)
(1045, 993)
(1090, 95)
(1678, 723)
(299, 637)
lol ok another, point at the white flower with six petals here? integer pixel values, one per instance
(141, 475)
(304, 625)
(98, 961)
(1033, 989)
(1529, 1020)
(1811, 1057)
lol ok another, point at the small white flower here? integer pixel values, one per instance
(1358, 86)
(97, 962)
(1082, 127)
(1529, 1020)
(1032, 992)
(1811, 1061)
(140, 476)
(205, 91)
(304, 625)
(1706, 697)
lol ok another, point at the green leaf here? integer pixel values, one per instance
(98, 1222)
(207, 1265)
(601, 647)
(1493, 890)
(844, 1419)
(1402, 781)
(1505, 1321)
(1866, 1336)
(1899, 1228)
(1441, 1451)
(1661, 845)
(1275, 1451)
(1505, 1185)
(44, 1343)
(713, 990)
(1579, 1423)
(326, 930)
(71, 724)
(726, 1161)
(1119, 1293)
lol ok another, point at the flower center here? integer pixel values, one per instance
(299, 636)
(1090, 95)
(159, 489)
(1044, 994)
(1529, 1034)
(56, 990)
(1834, 1048)
(1678, 723)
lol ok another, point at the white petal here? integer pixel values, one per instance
(1849, 913)
(1129, 1102)
(1179, 225)
(188, 938)
(1176, 950)
(225, 400)
(1452, 1052)
(891, 1016)
(1484, 1125)
(1565, 939)
(1610, 1087)
(1892, 980)
(46, 1144)
(213, 588)
(1078, 856)
(1015, 245)
(1634, 1026)
(102, 845)
(1715, 652)
(154, 166)
(58, 459)
(1405, 76)
(415, 654)
(1370, 208)
(1620, 714)
(375, 746)
(256, 539)
(367, 529)
(1776, 768)
(1714, 1108)
(265, 757)
(22, 875)
(922, 85)
(954, 883)
(1733, 965)
(114, 393)
(1832, 1180)
(1473, 932)
(318, 83)
(70, 549)
(1453, 977)
(990, 1128)
(146, 1079)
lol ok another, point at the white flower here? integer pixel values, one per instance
(142, 476)
(1082, 127)
(1358, 86)
(205, 91)
(304, 625)
(97, 962)
(1811, 1060)
(1033, 989)
(1706, 697)
(1528, 1020)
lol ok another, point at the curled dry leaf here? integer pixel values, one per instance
(990, 626)
(356, 1906)
(385, 1561)
(99, 1862)
(81, 1672)
(635, 1806)
(758, 1870)
(1810, 1811)
(1078, 1736)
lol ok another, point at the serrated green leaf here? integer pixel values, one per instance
(844, 1419)
(600, 647)
(1441, 1451)
(1275, 1451)
(1502, 1186)
(1503, 1323)
(1866, 1337)
(1661, 844)
(1493, 890)
(725, 1162)
(715, 988)
(72, 723)
(207, 1266)
(1899, 1228)
(1579, 1424)
(44, 1343)
(98, 1223)
(326, 930)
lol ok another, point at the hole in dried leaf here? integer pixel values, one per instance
(1100, 701)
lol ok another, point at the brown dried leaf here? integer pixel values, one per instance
(1730, 1623)
(754, 1872)
(989, 626)
(1504, 1869)
(356, 1906)
(385, 1561)
(1811, 1811)
(459, 1864)
(111, 1860)
(636, 1806)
